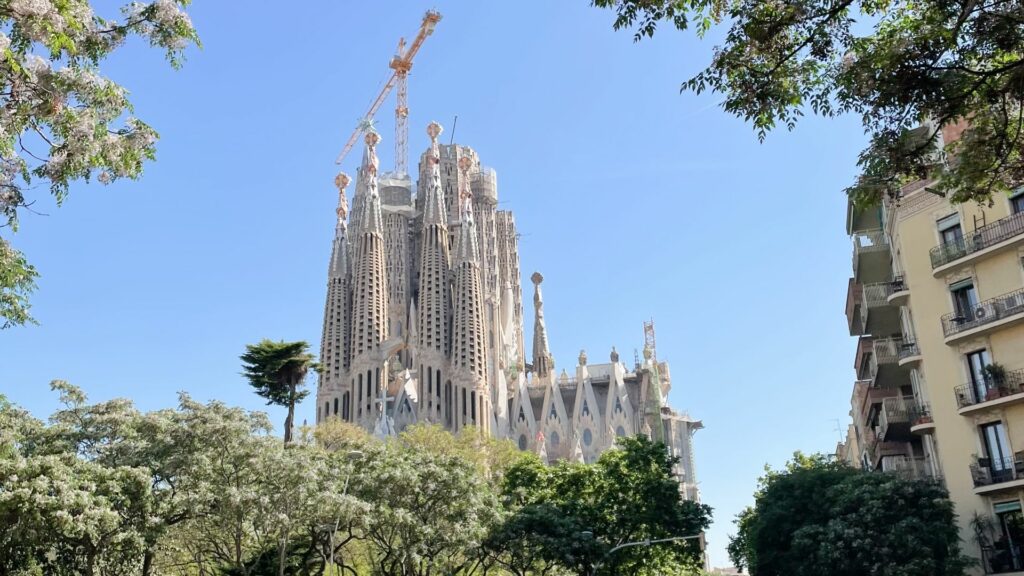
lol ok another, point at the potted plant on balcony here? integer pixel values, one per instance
(995, 379)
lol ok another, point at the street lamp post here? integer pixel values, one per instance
(593, 571)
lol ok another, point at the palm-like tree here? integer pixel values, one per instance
(277, 371)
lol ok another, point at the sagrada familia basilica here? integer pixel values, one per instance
(424, 323)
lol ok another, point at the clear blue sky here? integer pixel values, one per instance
(635, 201)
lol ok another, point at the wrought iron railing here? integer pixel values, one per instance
(908, 467)
(898, 284)
(908, 350)
(989, 471)
(921, 414)
(991, 389)
(1001, 557)
(981, 238)
(984, 313)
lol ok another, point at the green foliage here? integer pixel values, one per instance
(819, 517)
(572, 515)
(932, 62)
(63, 121)
(104, 488)
(277, 371)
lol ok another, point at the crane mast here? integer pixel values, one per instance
(400, 64)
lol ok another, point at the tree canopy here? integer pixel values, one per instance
(819, 517)
(277, 372)
(573, 515)
(908, 69)
(204, 489)
(60, 119)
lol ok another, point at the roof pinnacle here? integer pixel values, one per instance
(341, 181)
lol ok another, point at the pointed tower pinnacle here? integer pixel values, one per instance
(434, 300)
(542, 363)
(369, 297)
(335, 340)
(468, 352)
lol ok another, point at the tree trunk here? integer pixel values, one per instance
(290, 420)
(147, 562)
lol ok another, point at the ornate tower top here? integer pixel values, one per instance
(583, 357)
(433, 206)
(542, 363)
(434, 130)
(370, 216)
(614, 356)
(341, 181)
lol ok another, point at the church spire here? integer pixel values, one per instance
(468, 352)
(542, 363)
(369, 302)
(335, 340)
(434, 300)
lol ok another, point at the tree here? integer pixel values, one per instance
(430, 511)
(277, 371)
(572, 515)
(929, 62)
(820, 517)
(62, 120)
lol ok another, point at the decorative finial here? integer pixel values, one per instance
(647, 353)
(371, 139)
(465, 192)
(583, 357)
(434, 130)
(341, 181)
(537, 278)
(614, 356)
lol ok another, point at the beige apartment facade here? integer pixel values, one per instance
(937, 300)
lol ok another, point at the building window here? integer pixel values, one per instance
(1017, 202)
(588, 437)
(1006, 554)
(965, 300)
(976, 362)
(997, 449)
(949, 230)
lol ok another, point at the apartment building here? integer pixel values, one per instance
(937, 301)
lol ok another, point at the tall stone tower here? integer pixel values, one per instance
(423, 322)
(369, 293)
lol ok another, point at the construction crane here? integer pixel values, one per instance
(400, 63)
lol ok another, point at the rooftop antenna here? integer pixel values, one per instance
(454, 124)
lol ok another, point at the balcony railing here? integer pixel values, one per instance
(981, 238)
(921, 414)
(908, 467)
(1002, 557)
(986, 312)
(989, 471)
(992, 389)
(887, 350)
(908, 350)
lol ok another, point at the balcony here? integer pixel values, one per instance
(995, 475)
(894, 418)
(871, 257)
(885, 368)
(999, 235)
(909, 353)
(921, 419)
(987, 316)
(909, 467)
(878, 317)
(1001, 392)
(859, 219)
(899, 293)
